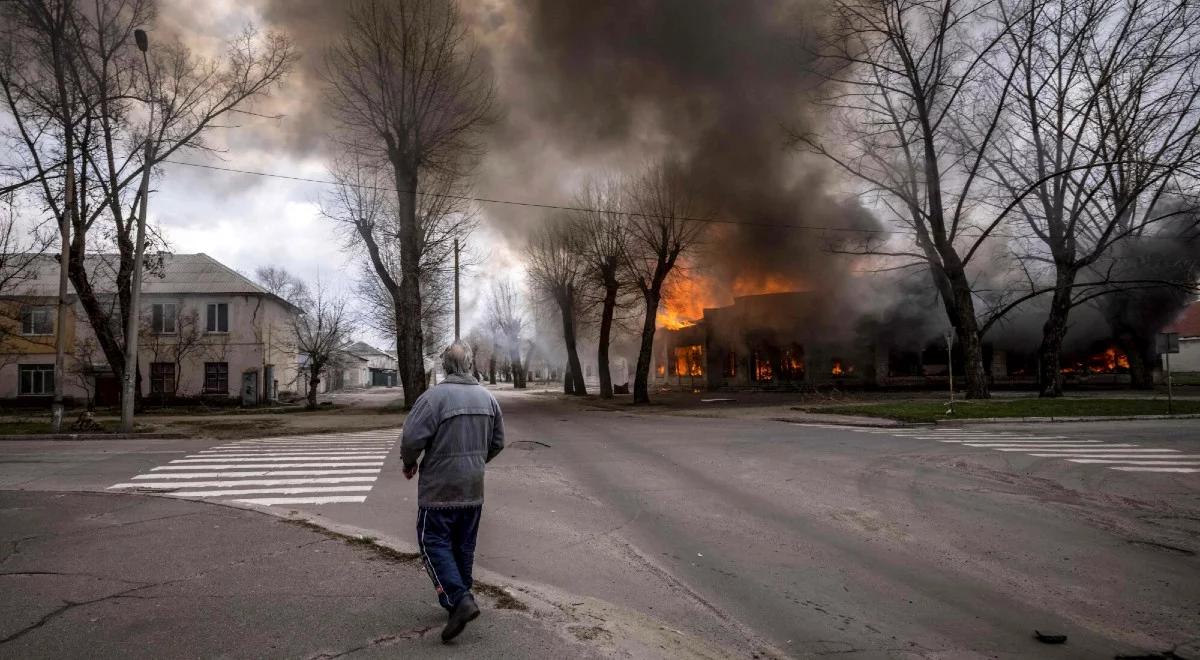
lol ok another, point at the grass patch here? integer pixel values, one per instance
(926, 411)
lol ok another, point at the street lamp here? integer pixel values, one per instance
(131, 325)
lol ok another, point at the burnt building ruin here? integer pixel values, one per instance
(796, 340)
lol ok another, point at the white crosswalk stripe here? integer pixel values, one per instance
(312, 469)
(1122, 456)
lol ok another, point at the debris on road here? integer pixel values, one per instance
(1049, 638)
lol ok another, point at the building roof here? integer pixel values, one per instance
(174, 273)
(362, 348)
(1187, 324)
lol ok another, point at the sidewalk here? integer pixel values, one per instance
(131, 576)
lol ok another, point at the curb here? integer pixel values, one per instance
(873, 422)
(1048, 420)
(95, 436)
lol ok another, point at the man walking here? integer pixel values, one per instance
(458, 427)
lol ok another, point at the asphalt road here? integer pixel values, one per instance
(805, 540)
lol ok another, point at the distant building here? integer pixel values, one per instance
(206, 331)
(357, 365)
(1187, 326)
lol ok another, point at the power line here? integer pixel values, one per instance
(559, 207)
(540, 205)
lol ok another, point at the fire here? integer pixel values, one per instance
(837, 368)
(1109, 361)
(689, 360)
(689, 294)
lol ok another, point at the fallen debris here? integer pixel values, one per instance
(1049, 638)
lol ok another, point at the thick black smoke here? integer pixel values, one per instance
(713, 84)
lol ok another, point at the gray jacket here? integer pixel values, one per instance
(457, 425)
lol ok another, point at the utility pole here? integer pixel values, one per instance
(60, 327)
(457, 326)
(950, 366)
(131, 326)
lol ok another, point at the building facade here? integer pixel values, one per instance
(206, 331)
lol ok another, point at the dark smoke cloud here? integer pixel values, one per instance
(714, 84)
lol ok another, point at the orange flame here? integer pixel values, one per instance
(687, 296)
(837, 368)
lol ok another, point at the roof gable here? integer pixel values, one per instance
(1187, 324)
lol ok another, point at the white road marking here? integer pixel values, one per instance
(1130, 461)
(1116, 455)
(991, 437)
(1056, 445)
(265, 501)
(1155, 469)
(1023, 442)
(266, 491)
(289, 455)
(256, 466)
(160, 485)
(1091, 450)
(269, 451)
(258, 473)
(279, 459)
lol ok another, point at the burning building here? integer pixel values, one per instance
(798, 339)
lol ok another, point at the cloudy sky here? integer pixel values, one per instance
(584, 87)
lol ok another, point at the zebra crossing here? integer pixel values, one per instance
(308, 469)
(1120, 456)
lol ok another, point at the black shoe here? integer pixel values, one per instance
(465, 611)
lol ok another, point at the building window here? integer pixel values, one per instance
(37, 321)
(730, 365)
(216, 377)
(218, 317)
(689, 360)
(164, 318)
(162, 378)
(763, 370)
(36, 379)
(792, 364)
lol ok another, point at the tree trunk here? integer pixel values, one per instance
(98, 318)
(410, 341)
(314, 381)
(568, 382)
(518, 372)
(962, 309)
(606, 320)
(567, 307)
(492, 368)
(641, 379)
(1053, 332)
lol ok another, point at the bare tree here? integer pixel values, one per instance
(280, 282)
(321, 329)
(74, 87)
(1102, 127)
(662, 227)
(602, 236)
(556, 273)
(361, 201)
(406, 85)
(506, 315)
(904, 79)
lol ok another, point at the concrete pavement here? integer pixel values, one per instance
(131, 576)
(754, 536)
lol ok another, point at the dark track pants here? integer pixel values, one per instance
(447, 541)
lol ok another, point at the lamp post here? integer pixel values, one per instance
(139, 247)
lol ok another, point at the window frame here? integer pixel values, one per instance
(42, 372)
(212, 317)
(218, 370)
(159, 378)
(158, 318)
(27, 314)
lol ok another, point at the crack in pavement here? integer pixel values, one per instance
(407, 635)
(66, 607)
